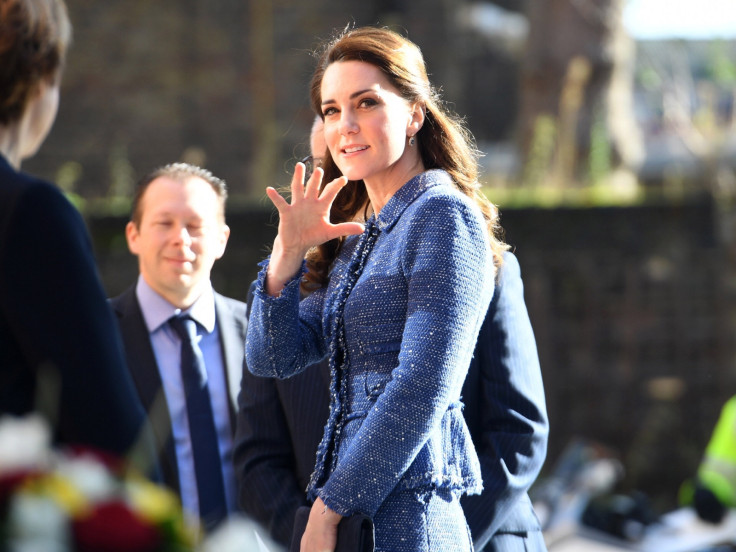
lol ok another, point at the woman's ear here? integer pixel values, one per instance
(417, 119)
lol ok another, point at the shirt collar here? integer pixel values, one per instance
(415, 187)
(157, 310)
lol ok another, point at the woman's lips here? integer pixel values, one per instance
(349, 150)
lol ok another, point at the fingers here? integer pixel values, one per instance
(275, 197)
(297, 182)
(344, 229)
(312, 187)
(332, 189)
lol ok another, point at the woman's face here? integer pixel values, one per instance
(366, 121)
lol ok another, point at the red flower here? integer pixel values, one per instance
(114, 527)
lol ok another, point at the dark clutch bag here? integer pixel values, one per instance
(354, 533)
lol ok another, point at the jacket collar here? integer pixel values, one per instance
(157, 310)
(232, 328)
(410, 191)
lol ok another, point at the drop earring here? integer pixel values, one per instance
(412, 141)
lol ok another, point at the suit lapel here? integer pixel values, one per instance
(141, 360)
(147, 378)
(232, 339)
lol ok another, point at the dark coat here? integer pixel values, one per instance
(60, 352)
(506, 413)
(280, 424)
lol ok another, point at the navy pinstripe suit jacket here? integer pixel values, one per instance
(506, 413)
(280, 423)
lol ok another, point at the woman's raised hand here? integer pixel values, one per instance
(304, 223)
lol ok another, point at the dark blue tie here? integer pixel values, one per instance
(207, 463)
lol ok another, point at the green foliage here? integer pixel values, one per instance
(649, 78)
(721, 67)
(68, 175)
(78, 201)
(540, 185)
(113, 206)
(122, 174)
(599, 158)
(541, 150)
(550, 198)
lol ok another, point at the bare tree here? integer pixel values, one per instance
(576, 119)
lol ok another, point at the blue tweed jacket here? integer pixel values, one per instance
(400, 340)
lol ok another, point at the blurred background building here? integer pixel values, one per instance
(610, 146)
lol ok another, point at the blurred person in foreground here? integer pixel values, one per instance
(60, 352)
(280, 422)
(399, 313)
(177, 230)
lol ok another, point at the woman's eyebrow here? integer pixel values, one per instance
(352, 96)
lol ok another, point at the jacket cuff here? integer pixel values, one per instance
(337, 506)
(291, 287)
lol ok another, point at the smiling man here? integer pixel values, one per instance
(184, 341)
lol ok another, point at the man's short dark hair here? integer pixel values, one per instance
(181, 172)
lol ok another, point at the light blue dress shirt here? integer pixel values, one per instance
(167, 349)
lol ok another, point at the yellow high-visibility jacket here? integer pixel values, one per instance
(717, 471)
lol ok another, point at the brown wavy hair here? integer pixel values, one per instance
(34, 36)
(443, 141)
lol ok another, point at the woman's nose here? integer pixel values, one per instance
(348, 123)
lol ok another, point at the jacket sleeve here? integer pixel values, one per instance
(284, 334)
(57, 310)
(447, 265)
(512, 425)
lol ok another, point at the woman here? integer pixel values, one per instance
(397, 309)
(59, 349)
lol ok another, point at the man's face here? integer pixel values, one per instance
(180, 236)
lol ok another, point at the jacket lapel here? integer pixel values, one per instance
(147, 379)
(232, 328)
(138, 349)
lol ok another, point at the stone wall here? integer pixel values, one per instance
(633, 310)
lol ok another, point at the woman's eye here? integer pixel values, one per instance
(368, 102)
(329, 111)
